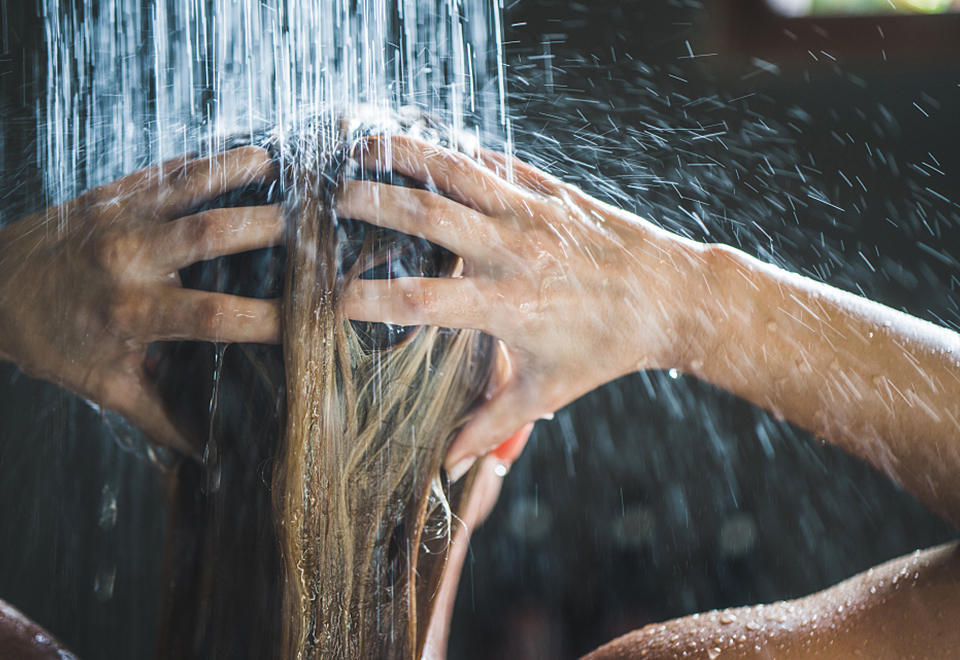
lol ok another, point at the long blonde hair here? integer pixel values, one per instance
(361, 419)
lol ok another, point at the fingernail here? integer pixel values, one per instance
(461, 468)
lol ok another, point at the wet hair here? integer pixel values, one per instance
(319, 522)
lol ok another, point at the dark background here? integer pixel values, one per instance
(829, 147)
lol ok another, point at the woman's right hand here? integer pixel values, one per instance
(579, 292)
(86, 286)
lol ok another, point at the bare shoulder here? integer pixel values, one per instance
(22, 638)
(905, 608)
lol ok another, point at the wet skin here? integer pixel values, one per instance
(85, 287)
(904, 609)
(21, 638)
(580, 293)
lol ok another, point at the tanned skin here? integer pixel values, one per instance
(581, 293)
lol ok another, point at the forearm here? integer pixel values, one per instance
(882, 385)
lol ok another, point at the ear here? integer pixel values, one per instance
(502, 370)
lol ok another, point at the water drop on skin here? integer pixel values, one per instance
(713, 653)
(727, 618)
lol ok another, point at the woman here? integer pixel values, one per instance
(320, 522)
(353, 421)
(582, 293)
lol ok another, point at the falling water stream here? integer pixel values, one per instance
(131, 82)
(654, 497)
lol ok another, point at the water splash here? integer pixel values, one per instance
(130, 82)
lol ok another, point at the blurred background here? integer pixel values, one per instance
(819, 136)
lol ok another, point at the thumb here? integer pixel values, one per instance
(500, 417)
(144, 408)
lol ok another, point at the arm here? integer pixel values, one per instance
(582, 293)
(86, 286)
(882, 385)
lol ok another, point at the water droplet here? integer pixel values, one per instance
(108, 508)
(727, 618)
(713, 653)
(673, 373)
(753, 625)
(104, 583)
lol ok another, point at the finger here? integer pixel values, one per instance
(419, 213)
(514, 169)
(510, 409)
(191, 315)
(202, 179)
(150, 176)
(132, 395)
(215, 233)
(449, 171)
(442, 301)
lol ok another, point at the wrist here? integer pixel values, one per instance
(715, 308)
(693, 298)
(669, 278)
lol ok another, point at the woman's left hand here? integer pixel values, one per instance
(579, 292)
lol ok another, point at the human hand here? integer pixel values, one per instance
(86, 286)
(579, 292)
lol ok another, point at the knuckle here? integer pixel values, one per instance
(124, 311)
(206, 229)
(432, 210)
(529, 251)
(113, 251)
(412, 302)
(210, 315)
